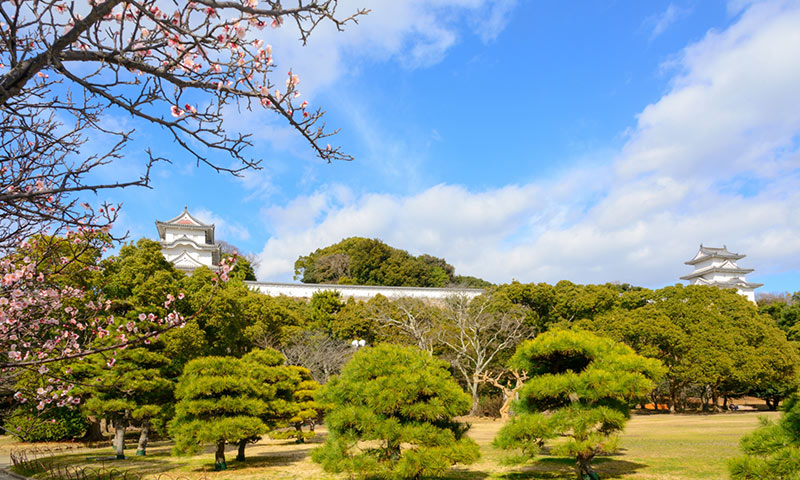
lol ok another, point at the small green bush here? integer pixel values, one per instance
(54, 425)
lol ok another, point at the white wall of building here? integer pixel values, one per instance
(360, 292)
(175, 233)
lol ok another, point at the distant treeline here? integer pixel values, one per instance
(369, 261)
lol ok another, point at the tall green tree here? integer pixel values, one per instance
(400, 401)
(137, 282)
(711, 340)
(222, 317)
(785, 311)
(580, 392)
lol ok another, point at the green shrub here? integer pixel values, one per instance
(53, 425)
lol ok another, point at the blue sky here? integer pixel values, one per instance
(530, 140)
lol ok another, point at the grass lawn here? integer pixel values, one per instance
(668, 447)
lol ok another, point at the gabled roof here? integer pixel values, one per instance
(184, 240)
(713, 252)
(186, 221)
(186, 262)
(728, 268)
(733, 283)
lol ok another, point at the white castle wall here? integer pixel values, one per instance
(360, 292)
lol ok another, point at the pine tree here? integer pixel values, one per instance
(225, 400)
(279, 385)
(218, 403)
(133, 391)
(304, 408)
(392, 416)
(580, 390)
(772, 452)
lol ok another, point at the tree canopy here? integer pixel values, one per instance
(226, 400)
(365, 261)
(712, 340)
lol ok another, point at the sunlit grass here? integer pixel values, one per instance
(663, 447)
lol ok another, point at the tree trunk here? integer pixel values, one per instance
(506, 408)
(704, 399)
(144, 436)
(219, 456)
(584, 468)
(93, 433)
(119, 439)
(673, 398)
(240, 453)
(772, 403)
(475, 398)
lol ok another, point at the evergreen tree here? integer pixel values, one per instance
(304, 408)
(225, 400)
(133, 391)
(400, 401)
(369, 261)
(218, 403)
(279, 387)
(580, 390)
(710, 339)
(772, 452)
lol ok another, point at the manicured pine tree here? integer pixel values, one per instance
(401, 401)
(305, 408)
(279, 384)
(580, 392)
(773, 450)
(218, 403)
(225, 400)
(131, 390)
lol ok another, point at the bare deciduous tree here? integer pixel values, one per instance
(411, 317)
(179, 65)
(321, 354)
(475, 331)
(509, 390)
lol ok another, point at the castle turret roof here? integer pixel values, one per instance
(713, 252)
(185, 220)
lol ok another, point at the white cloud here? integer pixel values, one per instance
(412, 33)
(715, 160)
(661, 22)
(490, 26)
(732, 104)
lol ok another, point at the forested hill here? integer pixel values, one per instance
(369, 261)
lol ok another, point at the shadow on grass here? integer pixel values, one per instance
(564, 469)
(260, 460)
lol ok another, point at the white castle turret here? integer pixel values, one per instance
(717, 267)
(188, 243)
